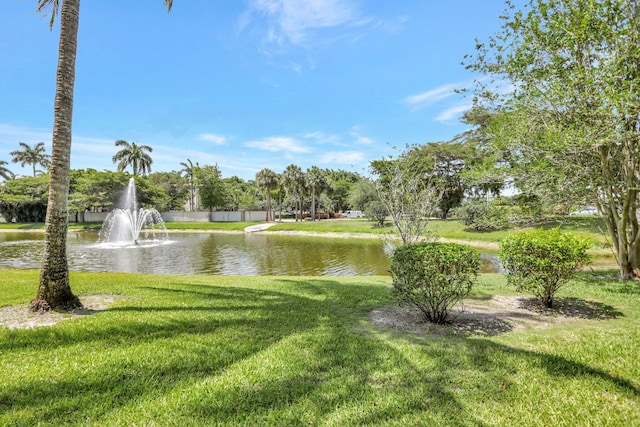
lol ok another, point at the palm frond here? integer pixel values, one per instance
(50, 8)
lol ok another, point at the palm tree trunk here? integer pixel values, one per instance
(268, 206)
(54, 290)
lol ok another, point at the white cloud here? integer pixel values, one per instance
(347, 139)
(292, 20)
(212, 137)
(278, 143)
(356, 134)
(322, 138)
(101, 145)
(453, 112)
(421, 100)
(342, 157)
(11, 135)
(306, 23)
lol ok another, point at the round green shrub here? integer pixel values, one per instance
(433, 276)
(541, 261)
(482, 216)
(376, 211)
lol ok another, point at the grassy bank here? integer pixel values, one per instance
(209, 226)
(448, 229)
(452, 229)
(199, 350)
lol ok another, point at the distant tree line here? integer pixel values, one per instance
(442, 174)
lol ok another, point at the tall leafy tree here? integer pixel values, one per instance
(134, 155)
(361, 194)
(93, 190)
(341, 182)
(487, 167)
(571, 119)
(210, 187)
(240, 194)
(446, 162)
(24, 199)
(267, 181)
(33, 156)
(54, 289)
(5, 173)
(174, 188)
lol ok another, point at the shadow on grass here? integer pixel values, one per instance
(628, 287)
(611, 282)
(573, 308)
(197, 354)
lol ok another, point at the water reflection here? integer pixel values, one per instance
(221, 254)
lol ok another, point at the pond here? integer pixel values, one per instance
(213, 253)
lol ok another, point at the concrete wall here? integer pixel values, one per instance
(94, 216)
(255, 215)
(180, 216)
(202, 216)
(238, 216)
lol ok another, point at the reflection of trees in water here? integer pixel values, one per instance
(205, 253)
(298, 255)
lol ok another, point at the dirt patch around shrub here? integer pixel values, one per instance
(498, 315)
(494, 316)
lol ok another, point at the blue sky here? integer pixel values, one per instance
(246, 84)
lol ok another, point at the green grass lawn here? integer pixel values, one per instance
(209, 226)
(22, 226)
(209, 350)
(355, 226)
(451, 228)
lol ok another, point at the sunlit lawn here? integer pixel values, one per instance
(22, 226)
(209, 226)
(452, 229)
(332, 226)
(208, 350)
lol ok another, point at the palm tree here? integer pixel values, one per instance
(294, 184)
(33, 156)
(267, 180)
(316, 181)
(4, 172)
(133, 155)
(54, 290)
(280, 186)
(187, 168)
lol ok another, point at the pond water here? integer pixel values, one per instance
(213, 253)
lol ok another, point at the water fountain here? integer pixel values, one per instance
(130, 225)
